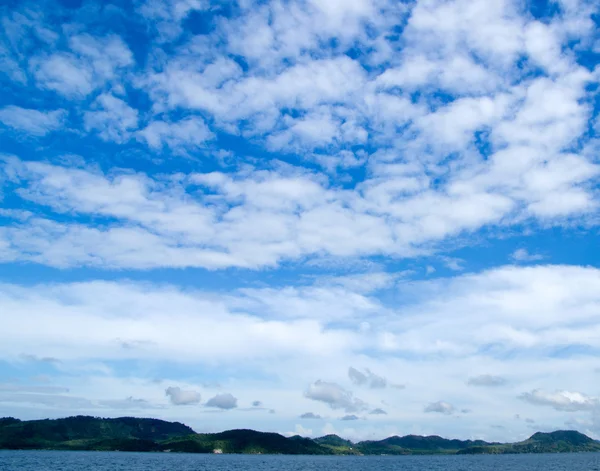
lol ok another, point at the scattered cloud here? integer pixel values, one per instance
(440, 407)
(112, 118)
(368, 378)
(180, 397)
(32, 121)
(334, 396)
(454, 264)
(310, 415)
(566, 401)
(522, 255)
(88, 63)
(332, 154)
(378, 412)
(178, 136)
(257, 404)
(222, 401)
(350, 417)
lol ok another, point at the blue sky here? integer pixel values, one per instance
(281, 214)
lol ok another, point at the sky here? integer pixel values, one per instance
(365, 217)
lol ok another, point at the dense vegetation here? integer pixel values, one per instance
(89, 433)
(132, 434)
(562, 441)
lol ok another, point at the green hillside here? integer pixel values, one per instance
(561, 441)
(85, 433)
(245, 441)
(415, 444)
(133, 434)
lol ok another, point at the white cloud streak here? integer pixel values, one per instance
(31, 121)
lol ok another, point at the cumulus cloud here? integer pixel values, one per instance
(567, 401)
(440, 407)
(334, 396)
(378, 412)
(224, 401)
(310, 415)
(257, 403)
(487, 380)
(181, 397)
(368, 378)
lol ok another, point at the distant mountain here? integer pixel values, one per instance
(416, 444)
(561, 441)
(133, 434)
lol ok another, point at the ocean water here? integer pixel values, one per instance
(119, 461)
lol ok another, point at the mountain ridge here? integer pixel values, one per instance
(145, 434)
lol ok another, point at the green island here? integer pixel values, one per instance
(154, 435)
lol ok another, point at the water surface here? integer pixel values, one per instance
(120, 461)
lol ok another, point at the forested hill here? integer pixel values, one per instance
(562, 441)
(133, 434)
(83, 432)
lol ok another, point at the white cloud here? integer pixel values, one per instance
(64, 74)
(180, 397)
(562, 400)
(158, 223)
(522, 255)
(334, 396)
(469, 122)
(89, 63)
(303, 86)
(112, 118)
(166, 15)
(35, 122)
(185, 134)
(529, 313)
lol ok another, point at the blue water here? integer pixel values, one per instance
(105, 461)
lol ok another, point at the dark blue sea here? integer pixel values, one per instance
(119, 461)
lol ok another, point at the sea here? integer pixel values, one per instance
(121, 461)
